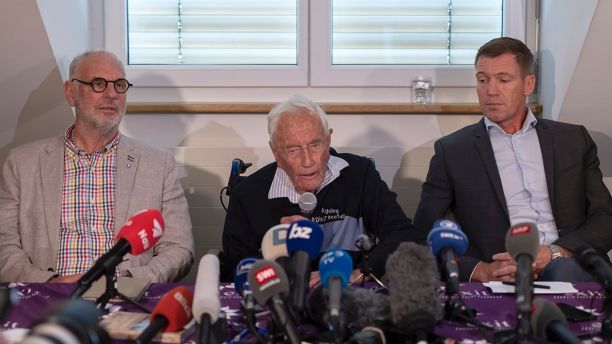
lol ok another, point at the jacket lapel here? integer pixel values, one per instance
(548, 158)
(52, 178)
(127, 165)
(483, 144)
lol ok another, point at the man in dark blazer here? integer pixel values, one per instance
(511, 167)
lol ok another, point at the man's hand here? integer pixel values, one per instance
(66, 279)
(544, 257)
(291, 219)
(502, 268)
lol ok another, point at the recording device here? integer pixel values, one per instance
(549, 323)
(591, 261)
(574, 314)
(206, 302)
(303, 245)
(73, 321)
(171, 314)
(274, 247)
(366, 242)
(413, 281)
(335, 268)
(268, 283)
(307, 203)
(8, 298)
(138, 234)
(448, 243)
(522, 242)
(238, 167)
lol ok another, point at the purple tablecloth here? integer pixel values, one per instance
(496, 310)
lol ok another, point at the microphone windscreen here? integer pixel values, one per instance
(361, 307)
(142, 231)
(335, 262)
(266, 279)
(305, 235)
(446, 233)
(587, 257)
(523, 238)
(274, 242)
(206, 290)
(241, 274)
(175, 306)
(544, 313)
(413, 282)
(307, 202)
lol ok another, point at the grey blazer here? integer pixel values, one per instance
(31, 199)
(463, 179)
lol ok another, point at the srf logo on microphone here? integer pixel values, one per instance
(298, 232)
(518, 230)
(266, 277)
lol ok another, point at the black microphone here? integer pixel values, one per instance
(366, 242)
(591, 261)
(268, 281)
(307, 203)
(73, 321)
(522, 242)
(549, 323)
(8, 297)
(413, 283)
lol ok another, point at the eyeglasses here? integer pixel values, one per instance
(98, 85)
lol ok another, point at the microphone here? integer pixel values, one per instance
(303, 244)
(268, 282)
(73, 321)
(274, 247)
(335, 268)
(549, 323)
(522, 242)
(240, 276)
(591, 261)
(366, 242)
(413, 283)
(448, 243)
(138, 234)
(307, 203)
(206, 303)
(171, 314)
(8, 297)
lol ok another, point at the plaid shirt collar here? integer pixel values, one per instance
(72, 148)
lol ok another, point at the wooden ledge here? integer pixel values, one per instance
(331, 108)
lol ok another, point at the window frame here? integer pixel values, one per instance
(313, 67)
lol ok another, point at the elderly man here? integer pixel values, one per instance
(511, 167)
(63, 199)
(352, 199)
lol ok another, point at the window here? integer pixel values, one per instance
(306, 42)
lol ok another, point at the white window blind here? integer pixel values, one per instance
(223, 32)
(412, 32)
(265, 32)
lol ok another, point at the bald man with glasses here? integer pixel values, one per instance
(64, 199)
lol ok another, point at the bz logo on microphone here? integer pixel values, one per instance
(298, 232)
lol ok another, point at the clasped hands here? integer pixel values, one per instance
(503, 267)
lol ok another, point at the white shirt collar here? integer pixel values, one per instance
(282, 187)
(530, 121)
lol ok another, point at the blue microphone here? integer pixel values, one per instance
(335, 268)
(240, 276)
(448, 243)
(304, 240)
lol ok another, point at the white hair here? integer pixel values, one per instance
(76, 61)
(297, 104)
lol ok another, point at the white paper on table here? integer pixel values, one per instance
(498, 287)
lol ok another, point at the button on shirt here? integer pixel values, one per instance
(519, 161)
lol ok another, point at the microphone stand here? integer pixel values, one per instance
(111, 291)
(456, 310)
(364, 267)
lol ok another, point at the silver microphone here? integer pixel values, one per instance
(307, 203)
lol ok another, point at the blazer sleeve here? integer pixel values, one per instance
(16, 265)
(596, 230)
(173, 253)
(437, 199)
